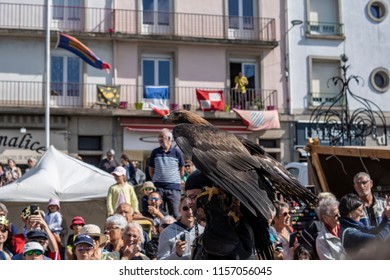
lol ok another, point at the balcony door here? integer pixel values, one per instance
(65, 84)
(157, 76)
(156, 17)
(66, 15)
(250, 71)
(241, 19)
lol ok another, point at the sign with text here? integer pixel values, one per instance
(21, 146)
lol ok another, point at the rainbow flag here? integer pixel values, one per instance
(75, 46)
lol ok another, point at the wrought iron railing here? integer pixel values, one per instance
(74, 95)
(338, 124)
(120, 22)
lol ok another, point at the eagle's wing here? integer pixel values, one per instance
(226, 161)
(282, 180)
(240, 168)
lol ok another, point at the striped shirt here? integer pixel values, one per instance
(166, 167)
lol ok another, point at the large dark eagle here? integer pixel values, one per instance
(241, 168)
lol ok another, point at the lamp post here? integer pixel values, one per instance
(335, 122)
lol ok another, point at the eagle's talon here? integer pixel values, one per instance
(234, 216)
(210, 191)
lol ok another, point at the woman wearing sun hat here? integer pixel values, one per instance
(99, 239)
(77, 224)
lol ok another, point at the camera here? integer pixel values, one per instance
(30, 210)
(34, 209)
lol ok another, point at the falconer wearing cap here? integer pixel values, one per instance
(99, 240)
(223, 237)
(121, 192)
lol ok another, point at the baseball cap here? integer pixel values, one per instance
(83, 238)
(29, 246)
(36, 234)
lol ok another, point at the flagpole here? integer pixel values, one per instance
(47, 72)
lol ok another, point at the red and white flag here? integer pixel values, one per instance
(210, 100)
(259, 120)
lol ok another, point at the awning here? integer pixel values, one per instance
(155, 125)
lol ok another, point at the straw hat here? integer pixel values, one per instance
(94, 231)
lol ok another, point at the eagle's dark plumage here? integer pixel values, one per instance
(240, 167)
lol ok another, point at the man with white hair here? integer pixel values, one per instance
(166, 167)
(31, 162)
(109, 163)
(373, 206)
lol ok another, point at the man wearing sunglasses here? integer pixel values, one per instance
(373, 206)
(33, 251)
(176, 240)
(34, 236)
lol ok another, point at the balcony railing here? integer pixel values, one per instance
(119, 22)
(324, 28)
(72, 95)
(317, 98)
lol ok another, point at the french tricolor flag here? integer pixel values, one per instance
(157, 99)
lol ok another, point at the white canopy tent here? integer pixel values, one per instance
(80, 187)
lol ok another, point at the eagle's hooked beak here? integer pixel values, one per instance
(166, 118)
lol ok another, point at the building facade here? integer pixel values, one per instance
(179, 45)
(330, 29)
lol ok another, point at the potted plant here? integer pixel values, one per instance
(257, 104)
(138, 105)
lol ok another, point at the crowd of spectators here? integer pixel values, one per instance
(160, 222)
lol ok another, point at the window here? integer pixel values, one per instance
(377, 10)
(156, 16)
(65, 76)
(321, 90)
(241, 19)
(157, 80)
(240, 14)
(156, 71)
(90, 143)
(380, 79)
(67, 10)
(253, 94)
(323, 18)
